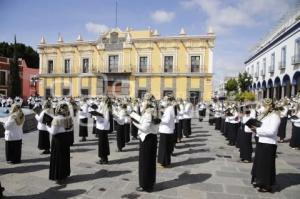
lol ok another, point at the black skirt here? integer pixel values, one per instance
(103, 144)
(147, 162)
(232, 132)
(239, 134)
(295, 139)
(282, 128)
(246, 146)
(127, 132)
(222, 125)
(60, 157)
(179, 130)
(165, 149)
(13, 151)
(218, 123)
(44, 140)
(120, 136)
(264, 168)
(186, 127)
(83, 127)
(71, 138)
(134, 131)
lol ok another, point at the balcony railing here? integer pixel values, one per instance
(296, 59)
(271, 69)
(281, 65)
(106, 69)
(256, 74)
(263, 73)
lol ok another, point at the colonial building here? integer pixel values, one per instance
(129, 63)
(29, 84)
(275, 63)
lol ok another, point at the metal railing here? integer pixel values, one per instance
(271, 68)
(296, 59)
(281, 65)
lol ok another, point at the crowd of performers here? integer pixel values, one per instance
(265, 122)
(142, 119)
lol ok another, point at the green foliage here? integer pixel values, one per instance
(231, 85)
(245, 96)
(244, 81)
(26, 52)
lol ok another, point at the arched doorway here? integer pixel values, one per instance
(277, 87)
(270, 88)
(286, 83)
(296, 83)
(264, 88)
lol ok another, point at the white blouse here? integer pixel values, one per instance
(12, 130)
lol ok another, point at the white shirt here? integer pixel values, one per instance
(56, 129)
(284, 112)
(120, 117)
(188, 111)
(180, 112)
(146, 127)
(39, 118)
(12, 130)
(83, 113)
(102, 123)
(244, 121)
(267, 133)
(234, 119)
(296, 122)
(167, 123)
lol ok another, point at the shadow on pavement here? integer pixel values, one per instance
(128, 150)
(285, 180)
(124, 160)
(80, 150)
(53, 192)
(191, 161)
(36, 160)
(86, 144)
(183, 179)
(24, 169)
(191, 151)
(194, 140)
(93, 176)
(186, 145)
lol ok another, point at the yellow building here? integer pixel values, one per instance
(129, 63)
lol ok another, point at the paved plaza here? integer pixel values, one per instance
(204, 167)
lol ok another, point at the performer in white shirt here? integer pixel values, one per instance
(147, 132)
(295, 138)
(119, 117)
(264, 166)
(44, 138)
(134, 129)
(187, 117)
(201, 110)
(166, 130)
(102, 130)
(13, 135)
(83, 120)
(180, 118)
(283, 120)
(246, 138)
(61, 126)
(233, 125)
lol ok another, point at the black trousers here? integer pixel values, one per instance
(295, 139)
(13, 150)
(120, 136)
(83, 128)
(147, 162)
(246, 148)
(127, 132)
(282, 128)
(103, 144)
(186, 127)
(44, 140)
(179, 129)
(134, 131)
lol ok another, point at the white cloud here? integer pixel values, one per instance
(162, 16)
(223, 17)
(96, 28)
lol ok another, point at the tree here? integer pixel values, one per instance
(25, 52)
(244, 81)
(15, 81)
(231, 85)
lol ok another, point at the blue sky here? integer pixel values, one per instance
(239, 24)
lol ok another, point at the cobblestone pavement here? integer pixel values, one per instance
(204, 167)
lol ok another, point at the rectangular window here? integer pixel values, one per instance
(257, 69)
(264, 66)
(143, 64)
(67, 66)
(252, 70)
(167, 92)
(195, 64)
(272, 67)
(3, 92)
(65, 91)
(48, 92)
(141, 93)
(283, 57)
(2, 78)
(84, 91)
(113, 63)
(50, 66)
(85, 65)
(168, 64)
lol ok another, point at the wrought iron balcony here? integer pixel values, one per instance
(281, 65)
(296, 59)
(271, 68)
